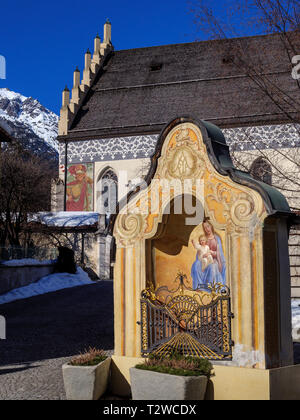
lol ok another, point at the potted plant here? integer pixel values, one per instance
(86, 376)
(174, 377)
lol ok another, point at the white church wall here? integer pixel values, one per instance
(128, 172)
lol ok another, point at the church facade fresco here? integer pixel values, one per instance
(79, 191)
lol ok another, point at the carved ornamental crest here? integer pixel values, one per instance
(182, 158)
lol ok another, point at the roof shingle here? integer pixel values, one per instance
(142, 89)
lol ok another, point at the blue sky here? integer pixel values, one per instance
(43, 42)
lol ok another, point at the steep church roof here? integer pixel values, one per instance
(140, 90)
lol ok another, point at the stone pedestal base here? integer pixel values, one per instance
(228, 383)
(234, 383)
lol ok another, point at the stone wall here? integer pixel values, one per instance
(13, 277)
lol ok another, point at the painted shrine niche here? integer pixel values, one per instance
(187, 297)
(190, 272)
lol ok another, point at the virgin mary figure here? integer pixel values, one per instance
(204, 273)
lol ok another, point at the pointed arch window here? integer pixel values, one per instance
(107, 193)
(262, 171)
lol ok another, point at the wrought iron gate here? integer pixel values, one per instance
(294, 252)
(186, 321)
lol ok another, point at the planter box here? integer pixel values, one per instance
(86, 382)
(148, 385)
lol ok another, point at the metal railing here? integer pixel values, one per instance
(198, 325)
(294, 252)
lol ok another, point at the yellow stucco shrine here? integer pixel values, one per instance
(202, 266)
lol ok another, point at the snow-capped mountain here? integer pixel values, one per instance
(29, 122)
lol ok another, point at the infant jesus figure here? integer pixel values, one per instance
(204, 253)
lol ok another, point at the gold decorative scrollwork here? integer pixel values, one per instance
(226, 327)
(130, 225)
(182, 163)
(242, 209)
(238, 208)
(183, 159)
(144, 326)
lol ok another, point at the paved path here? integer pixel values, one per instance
(45, 331)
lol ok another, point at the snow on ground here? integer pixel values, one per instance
(51, 283)
(296, 319)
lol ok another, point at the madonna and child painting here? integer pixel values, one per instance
(209, 266)
(200, 255)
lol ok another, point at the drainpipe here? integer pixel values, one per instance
(66, 173)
